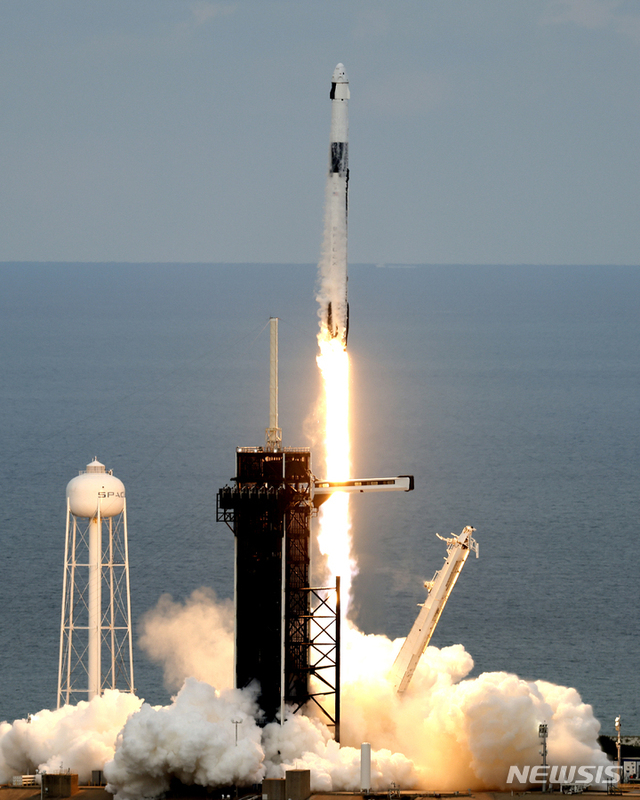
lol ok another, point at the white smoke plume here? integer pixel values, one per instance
(461, 733)
(211, 738)
(447, 732)
(193, 739)
(304, 743)
(78, 738)
(194, 639)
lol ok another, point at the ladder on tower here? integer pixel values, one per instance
(458, 549)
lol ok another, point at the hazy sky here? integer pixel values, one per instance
(482, 131)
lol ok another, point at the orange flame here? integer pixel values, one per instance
(334, 537)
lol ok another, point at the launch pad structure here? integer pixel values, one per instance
(269, 510)
(287, 633)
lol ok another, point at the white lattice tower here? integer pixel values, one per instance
(95, 629)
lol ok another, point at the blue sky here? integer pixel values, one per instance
(482, 131)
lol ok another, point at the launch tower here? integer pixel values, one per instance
(269, 510)
(95, 629)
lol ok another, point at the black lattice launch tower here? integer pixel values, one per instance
(269, 509)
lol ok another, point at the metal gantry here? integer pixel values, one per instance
(324, 654)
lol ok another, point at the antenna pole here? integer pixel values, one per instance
(274, 433)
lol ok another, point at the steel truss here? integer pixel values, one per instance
(323, 653)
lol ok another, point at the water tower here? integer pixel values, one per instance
(95, 631)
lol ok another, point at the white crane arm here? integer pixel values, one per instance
(458, 549)
(322, 490)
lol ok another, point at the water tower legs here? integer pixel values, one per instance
(96, 650)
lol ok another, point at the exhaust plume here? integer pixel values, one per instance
(447, 732)
(194, 639)
(79, 738)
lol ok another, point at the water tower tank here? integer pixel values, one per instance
(94, 485)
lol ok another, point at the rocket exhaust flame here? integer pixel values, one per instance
(334, 524)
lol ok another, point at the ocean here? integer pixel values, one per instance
(511, 393)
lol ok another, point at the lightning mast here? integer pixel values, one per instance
(274, 433)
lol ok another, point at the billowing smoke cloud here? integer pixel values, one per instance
(191, 640)
(78, 738)
(211, 738)
(461, 733)
(304, 743)
(193, 739)
(447, 732)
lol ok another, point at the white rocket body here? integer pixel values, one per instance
(334, 308)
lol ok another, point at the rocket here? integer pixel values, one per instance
(339, 154)
(334, 307)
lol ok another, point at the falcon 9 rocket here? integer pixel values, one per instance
(332, 293)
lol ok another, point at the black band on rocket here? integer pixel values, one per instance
(339, 157)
